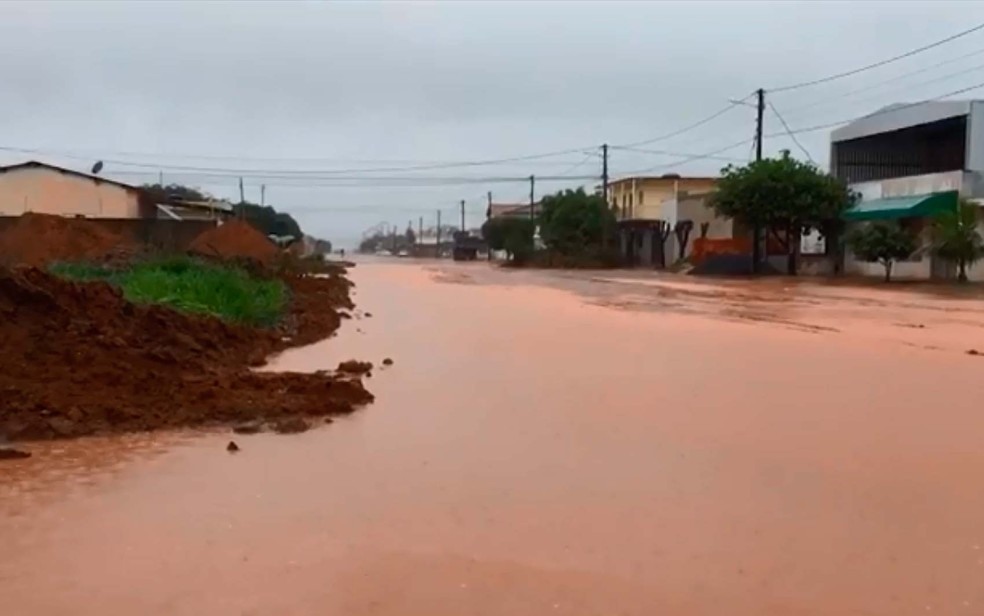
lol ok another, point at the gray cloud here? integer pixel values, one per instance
(345, 82)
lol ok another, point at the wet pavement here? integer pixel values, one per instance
(552, 443)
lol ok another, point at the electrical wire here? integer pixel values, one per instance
(868, 67)
(669, 153)
(790, 133)
(809, 129)
(304, 172)
(687, 128)
(878, 84)
(691, 159)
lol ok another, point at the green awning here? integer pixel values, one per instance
(903, 207)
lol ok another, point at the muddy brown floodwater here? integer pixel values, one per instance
(550, 443)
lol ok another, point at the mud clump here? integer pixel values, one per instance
(354, 366)
(232, 447)
(290, 425)
(235, 240)
(40, 239)
(79, 359)
(388, 361)
(7, 453)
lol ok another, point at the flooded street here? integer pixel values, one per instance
(552, 443)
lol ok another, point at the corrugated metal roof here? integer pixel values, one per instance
(34, 164)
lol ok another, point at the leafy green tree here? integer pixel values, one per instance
(883, 243)
(574, 223)
(782, 195)
(514, 235)
(957, 238)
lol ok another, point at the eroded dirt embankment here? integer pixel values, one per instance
(79, 359)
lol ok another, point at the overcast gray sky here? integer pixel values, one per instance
(205, 92)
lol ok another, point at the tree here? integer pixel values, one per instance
(783, 195)
(410, 236)
(514, 235)
(957, 238)
(883, 243)
(169, 192)
(574, 223)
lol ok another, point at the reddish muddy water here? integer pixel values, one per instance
(552, 443)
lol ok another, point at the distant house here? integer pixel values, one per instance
(513, 210)
(39, 187)
(908, 162)
(183, 209)
(646, 206)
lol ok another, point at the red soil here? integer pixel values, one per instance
(40, 239)
(235, 239)
(79, 359)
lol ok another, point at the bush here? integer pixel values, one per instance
(883, 243)
(192, 285)
(576, 224)
(514, 235)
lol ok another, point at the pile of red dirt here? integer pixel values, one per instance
(79, 359)
(309, 318)
(39, 239)
(235, 239)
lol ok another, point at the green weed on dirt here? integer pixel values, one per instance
(191, 285)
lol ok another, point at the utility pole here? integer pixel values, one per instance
(488, 217)
(532, 193)
(420, 230)
(437, 246)
(604, 171)
(462, 215)
(242, 200)
(262, 194)
(160, 178)
(604, 189)
(756, 230)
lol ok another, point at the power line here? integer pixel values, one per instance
(868, 67)
(878, 84)
(669, 153)
(305, 172)
(692, 158)
(689, 127)
(790, 133)
(809, 129)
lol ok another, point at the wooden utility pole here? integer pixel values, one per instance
(437, 245)
(488, 217)
(420, 229)
(604, 171)
(462, 215)
(242, 200)
(262, 194)
(532, 195)
(756, 230)
(160, 178)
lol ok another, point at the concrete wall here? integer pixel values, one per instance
(50, 191)
(155, 234)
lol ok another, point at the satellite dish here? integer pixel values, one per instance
(96, 168)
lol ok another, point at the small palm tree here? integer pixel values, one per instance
(957, 238)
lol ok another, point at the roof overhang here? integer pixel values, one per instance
(900, 116)
(893, 208)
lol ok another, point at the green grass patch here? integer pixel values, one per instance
(191, 285)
